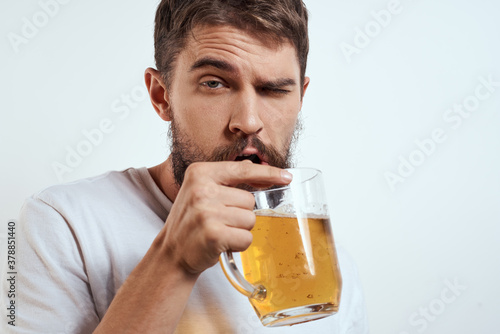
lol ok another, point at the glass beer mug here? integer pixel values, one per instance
(290, 271)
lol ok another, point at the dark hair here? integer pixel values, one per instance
(280, 20)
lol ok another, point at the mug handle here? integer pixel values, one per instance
(237, 280)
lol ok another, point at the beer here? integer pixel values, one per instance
(295, 260)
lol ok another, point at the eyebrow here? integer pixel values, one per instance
(212, 62)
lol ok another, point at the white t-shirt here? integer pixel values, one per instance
(78, 242)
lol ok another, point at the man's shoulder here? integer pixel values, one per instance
(104, 186)
(129, 195)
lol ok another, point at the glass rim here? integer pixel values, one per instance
(288, 186)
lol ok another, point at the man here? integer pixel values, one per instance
(137, 251)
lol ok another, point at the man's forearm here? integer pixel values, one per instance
(152, 299)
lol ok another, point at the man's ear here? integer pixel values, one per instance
(306, 84)
(158, 93)
(304, 88)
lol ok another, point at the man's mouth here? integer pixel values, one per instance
(252, 157)
(252, 154)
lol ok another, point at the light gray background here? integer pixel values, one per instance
(439, 227)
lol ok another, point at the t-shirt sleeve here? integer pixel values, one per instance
(354, 316)
(53, 293)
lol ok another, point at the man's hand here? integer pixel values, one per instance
(210, 216)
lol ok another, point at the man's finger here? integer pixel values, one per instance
(232, 173)
(239, 218)
(233, 197)
(238, 239)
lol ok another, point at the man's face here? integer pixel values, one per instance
(233, 96)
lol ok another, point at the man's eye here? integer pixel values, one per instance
(281, 91)
(213, 84)
(275, 91)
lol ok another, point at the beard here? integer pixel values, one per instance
(184, 152)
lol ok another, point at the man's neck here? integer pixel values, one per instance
(163, 176)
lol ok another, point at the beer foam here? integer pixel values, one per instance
(285, 212)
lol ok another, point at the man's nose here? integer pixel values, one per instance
(246, 112)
